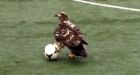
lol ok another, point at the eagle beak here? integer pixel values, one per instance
(57, 15)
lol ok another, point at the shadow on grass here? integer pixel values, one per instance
(79, 61)
(76, 61)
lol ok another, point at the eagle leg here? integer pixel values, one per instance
(71, 55)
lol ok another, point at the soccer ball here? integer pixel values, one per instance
(51, 51)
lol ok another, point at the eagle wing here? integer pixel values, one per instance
(69, 34)
(72, 37)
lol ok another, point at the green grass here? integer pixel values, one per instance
(26, 26)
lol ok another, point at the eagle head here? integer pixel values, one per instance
(62, 16)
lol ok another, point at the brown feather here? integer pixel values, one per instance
(71, 36)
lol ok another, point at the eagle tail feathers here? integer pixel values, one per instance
(78, 50)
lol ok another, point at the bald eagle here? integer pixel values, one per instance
(70, 35)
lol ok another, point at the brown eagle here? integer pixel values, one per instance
(70, 35)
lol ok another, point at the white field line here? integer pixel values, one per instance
(109, 6)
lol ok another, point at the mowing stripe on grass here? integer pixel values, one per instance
(109, 6)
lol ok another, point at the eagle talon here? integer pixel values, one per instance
(71, 55)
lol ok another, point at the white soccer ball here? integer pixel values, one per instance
(51, 51)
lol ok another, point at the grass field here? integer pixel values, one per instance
(26, 26)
